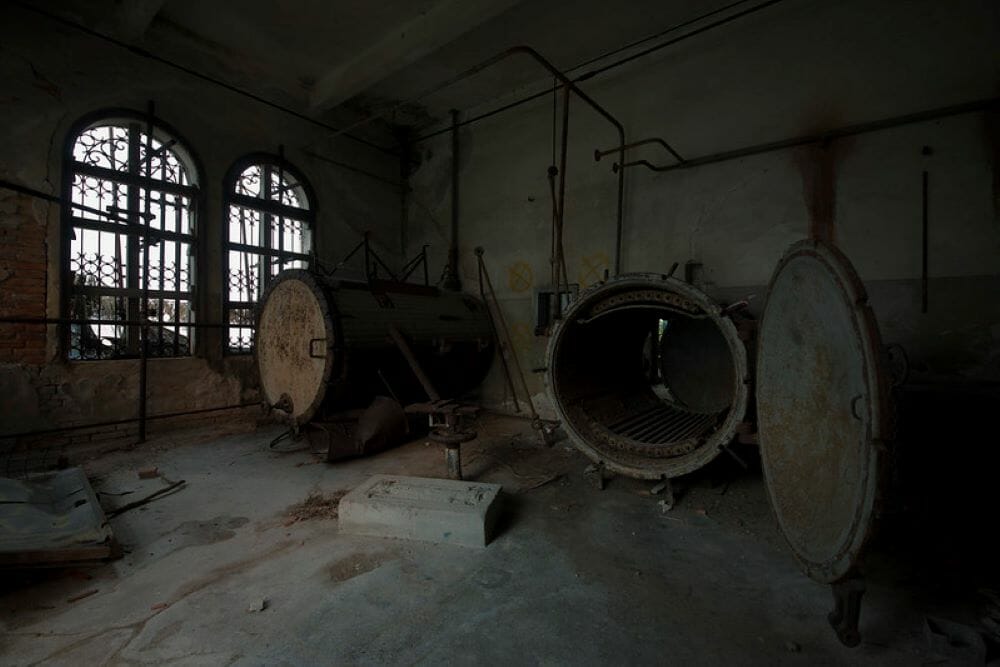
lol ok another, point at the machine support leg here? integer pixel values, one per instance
(847, 594)
(453, 460)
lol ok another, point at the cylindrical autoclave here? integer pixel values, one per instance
(648, 375)
(323, 345)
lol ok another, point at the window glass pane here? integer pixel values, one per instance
(161, 163)
(99, 194)
(245, 226)
(244, 275)
(248, 182)
(281, 241)
(241, 334)
(103, 146)
(153, 251)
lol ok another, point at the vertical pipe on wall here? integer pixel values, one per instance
(144, 276)
(403, 137)
(451, 280)
(924, 239)
(559, 267)
(619, 226)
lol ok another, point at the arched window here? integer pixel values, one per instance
(270, 214)
(130, 243)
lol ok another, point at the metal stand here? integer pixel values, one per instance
(453, 461)
(449, 428)
(847, 594)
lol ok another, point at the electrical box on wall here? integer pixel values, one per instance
(546, 306)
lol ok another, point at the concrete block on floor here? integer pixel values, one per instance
(421, 508)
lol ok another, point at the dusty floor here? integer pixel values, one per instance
(576, 576)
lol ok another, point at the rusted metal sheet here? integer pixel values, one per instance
(321, 342)
(822, 408)
(52, 519)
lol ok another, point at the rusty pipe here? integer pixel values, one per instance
(821, 137)
(559, 76)
(598, 154)
(558, 220)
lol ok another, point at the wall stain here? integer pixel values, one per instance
(520, 277)
(592, 268)
(817, 165)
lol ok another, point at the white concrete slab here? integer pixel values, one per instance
(422, 508)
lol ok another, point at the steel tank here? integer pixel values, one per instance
(648, 375)
(323, 345)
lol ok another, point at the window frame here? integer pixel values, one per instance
(269, 209)
(166, 134)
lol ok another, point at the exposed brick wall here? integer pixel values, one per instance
(23, 257)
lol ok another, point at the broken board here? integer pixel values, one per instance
(52, 519)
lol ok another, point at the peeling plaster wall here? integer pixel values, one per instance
(52, 76)
(794, 69)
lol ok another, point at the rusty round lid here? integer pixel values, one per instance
(822, 407)
(294, 344)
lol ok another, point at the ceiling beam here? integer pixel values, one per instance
(402, 45)
(130, 20)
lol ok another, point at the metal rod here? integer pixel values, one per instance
(503, 327)
(199, 75)
(411, 359)
(831, 135)
(628, 421)
(119, 422)
(618, 63)
(496, 332)
(553, 269)
(923, 251)
(598, 154)
(32, 192)
(356, 170)
(85, 321)
(620, 215)
(144, 297)
(565, 80)
(453, 461)
(656, 421)
(560, 205)
(451, 280)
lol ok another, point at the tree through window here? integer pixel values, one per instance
(131, 247)
(270, 219)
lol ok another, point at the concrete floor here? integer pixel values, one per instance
(577, 575)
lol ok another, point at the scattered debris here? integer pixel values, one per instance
(149, 473)
(258, 605)
(142, 501)
(568, 507)
(541, 483)
(792, 647)
(85, 594)
(114, 493)
(660, 488)
(316, 506)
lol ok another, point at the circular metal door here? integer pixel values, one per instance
(822, 406)
(294, 344)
